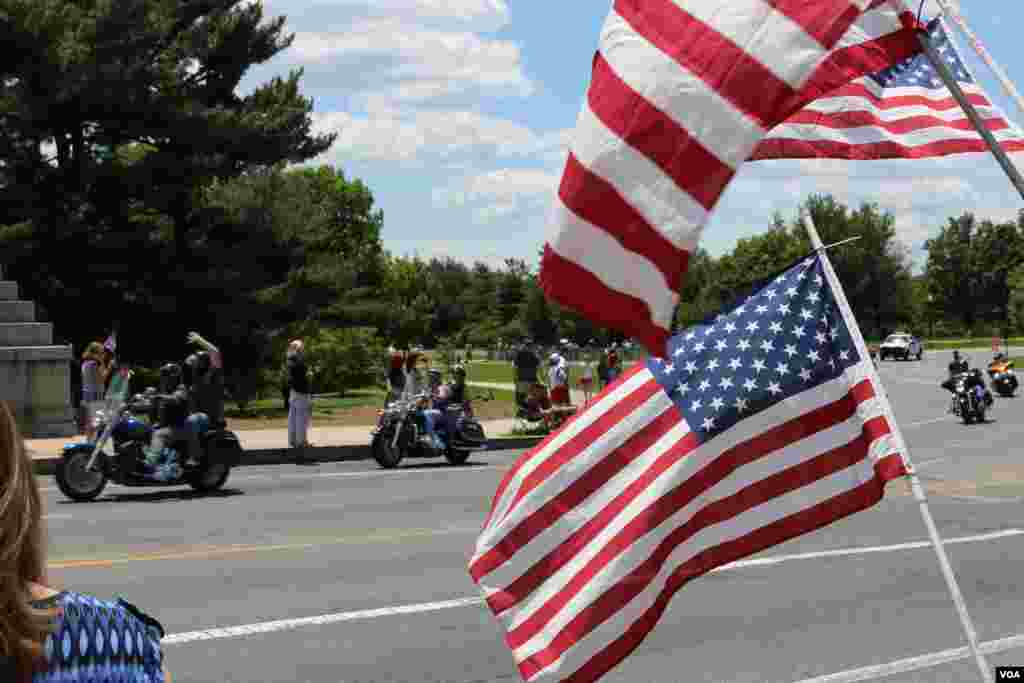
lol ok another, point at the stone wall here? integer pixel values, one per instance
(35, 374)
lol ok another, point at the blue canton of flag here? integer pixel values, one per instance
(784, 339)
(919, 72)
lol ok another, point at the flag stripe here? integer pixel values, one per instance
(899, 124)
(624, 296)
(682, 91)
(801, 522)
(822, 149)
(866, 93)
(592, 480)
(612, 426)
(846, 64)
(608, 518)
(818, 19)
(725, 67)
(675, 215)
(903, 112)
(771, 490)
(640, 124)
(629, 381)
(596, 201)
(715, 471)
(686, 102)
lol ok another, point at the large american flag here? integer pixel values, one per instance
(681, 93)
(905, 111)
(763, 423)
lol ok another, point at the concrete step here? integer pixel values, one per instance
(26, 334)
(8, 290)
(17, 312)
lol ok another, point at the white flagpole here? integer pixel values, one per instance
(950, 11)
(915, 482)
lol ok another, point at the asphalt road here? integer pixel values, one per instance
(347, 573)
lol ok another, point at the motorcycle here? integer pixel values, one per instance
(970, 400)
(85, 468)
(400, 427)
(1004, 379)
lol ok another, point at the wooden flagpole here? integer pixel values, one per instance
(1004, 80)
(972, 114)
(915, 482)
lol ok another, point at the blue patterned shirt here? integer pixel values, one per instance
(96, 641)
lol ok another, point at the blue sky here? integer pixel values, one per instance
(456, 113)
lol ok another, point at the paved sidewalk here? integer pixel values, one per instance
(264, 439)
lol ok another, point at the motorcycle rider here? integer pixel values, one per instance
(206, 393)
(161, 455)
(452, 394)
(959, 366)
(432, 414)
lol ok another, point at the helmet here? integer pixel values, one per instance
(434, 374)
(956, 355)
(202, 363)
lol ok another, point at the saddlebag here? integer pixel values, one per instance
(469, 432)
(223, 448)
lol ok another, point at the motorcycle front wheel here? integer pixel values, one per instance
(75, 481)
(386, 455)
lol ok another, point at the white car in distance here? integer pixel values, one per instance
(901, 345)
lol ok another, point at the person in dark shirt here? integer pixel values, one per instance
(526, 364)
(206, 393)
(300, 407)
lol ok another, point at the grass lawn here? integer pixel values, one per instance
(358, 408)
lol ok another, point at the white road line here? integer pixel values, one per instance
(869, 673)
(392, 473)
(57, 516)
(933, 420)
(321, 620)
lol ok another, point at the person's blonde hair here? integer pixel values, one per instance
(23, 628)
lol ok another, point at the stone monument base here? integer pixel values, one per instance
(35, 375)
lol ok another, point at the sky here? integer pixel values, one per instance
(457, 115)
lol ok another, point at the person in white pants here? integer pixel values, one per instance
(300, 408)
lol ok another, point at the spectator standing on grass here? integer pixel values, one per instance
(614, 367)
(587, 379)
(47, 635)
(602, 369)
(300, 410)
(558, 379)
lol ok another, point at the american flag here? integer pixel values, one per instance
(762, 424)
(905, 111)
(681, 93)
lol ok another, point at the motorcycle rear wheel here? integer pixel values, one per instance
(457, 457)
(211, 478)
(75, 482)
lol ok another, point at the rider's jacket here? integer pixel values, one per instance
(956, 367)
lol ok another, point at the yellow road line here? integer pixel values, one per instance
(221, 551)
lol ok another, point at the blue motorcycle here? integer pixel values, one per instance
(85, 467)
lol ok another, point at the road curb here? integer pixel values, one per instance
(285, 456)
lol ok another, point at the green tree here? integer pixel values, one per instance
(137, 101)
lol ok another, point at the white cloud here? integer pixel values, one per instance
(391, 134)
(506, 190)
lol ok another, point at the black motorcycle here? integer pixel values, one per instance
(970, 398)
(85, 467)
(1004, 379)
(400, 428)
